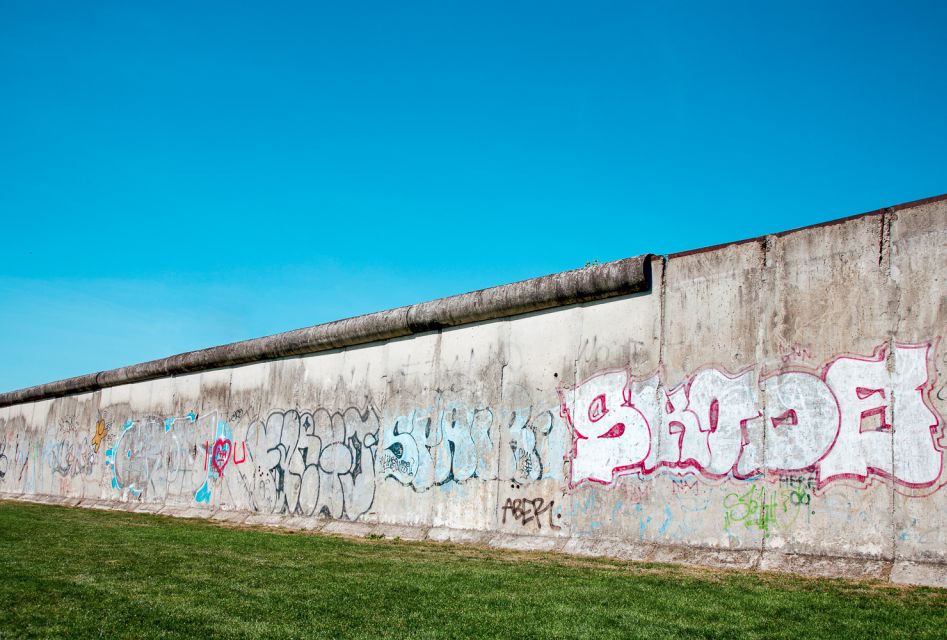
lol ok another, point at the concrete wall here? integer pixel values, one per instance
(773, 403)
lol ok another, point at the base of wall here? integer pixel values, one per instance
(898, 571)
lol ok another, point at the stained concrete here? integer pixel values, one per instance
(769, 404)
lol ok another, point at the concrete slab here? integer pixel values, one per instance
(301, 523)
(234, 517)
(826, 567)
(921, 573)
(525, 543)
(263, 520)
(186, 512)
(464, 536)
(147, 508)
(609, 548)
(101, 505)
(348, 529)
(398, 531)
(728, 559)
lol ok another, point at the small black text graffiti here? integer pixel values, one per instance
(526, 510)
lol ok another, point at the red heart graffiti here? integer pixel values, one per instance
(221, 455)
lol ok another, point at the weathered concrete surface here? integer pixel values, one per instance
(596, 282)
(775, 403)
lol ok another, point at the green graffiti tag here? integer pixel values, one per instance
(765, 510)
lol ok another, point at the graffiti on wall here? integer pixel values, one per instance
(531, 512)
(103, 431)
(851, 421)
(14, 456)
(153, 456)
(68, 452)
(763, 507)
(439, 444)
(529, 429)
(856, 419)
(218, 451)
(305, 463)
(453, 441)
(314, 463)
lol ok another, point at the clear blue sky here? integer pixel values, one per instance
(179, 175)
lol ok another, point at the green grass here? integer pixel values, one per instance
(79, 573)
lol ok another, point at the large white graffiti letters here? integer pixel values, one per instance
(887, 427)
(860, 417)
(612, 435)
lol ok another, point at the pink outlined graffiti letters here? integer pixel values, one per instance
(858, 418)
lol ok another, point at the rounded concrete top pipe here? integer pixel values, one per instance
(595, 282)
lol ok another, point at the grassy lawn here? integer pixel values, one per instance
(78, 573)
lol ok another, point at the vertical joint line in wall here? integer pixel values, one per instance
(437, 358)
(662, 329)
(501, 430)
(884, 264)
(892, 402)
(766, 302)
(884, 242)
(894, 326)
(504, 331)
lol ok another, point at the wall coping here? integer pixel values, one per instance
(595, 282)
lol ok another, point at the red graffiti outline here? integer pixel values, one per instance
(564, 412)
(879, 355)
(692, 466)
(222, 446)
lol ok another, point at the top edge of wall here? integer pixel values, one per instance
(595, 282)
(828, 223)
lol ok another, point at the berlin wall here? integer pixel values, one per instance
(775, 403)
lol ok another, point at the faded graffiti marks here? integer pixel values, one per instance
(535, 438)
(314, 463)
(535, 511)
(449, 442)
(765, 508)
(179, 459)
(135, 456)
(14, 457)
(154, 457)
(529, 430)
(69, 452)
(858, 418)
